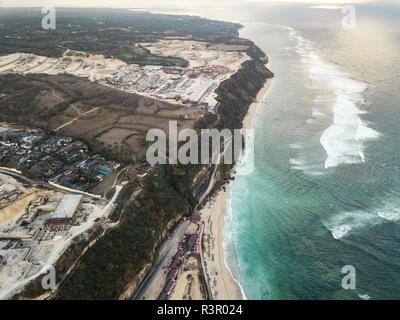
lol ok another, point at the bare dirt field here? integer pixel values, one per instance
(16, 209)
(13, 210)
(76, 107)
(114, 127)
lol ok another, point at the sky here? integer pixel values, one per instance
(147, 3)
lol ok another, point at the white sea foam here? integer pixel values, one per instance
(299, 164)
(364, 132)
(245, 164)
(389, 214)
(340, 231)
(230, 260)
(343, 140)
(364, 296)
(344, 223)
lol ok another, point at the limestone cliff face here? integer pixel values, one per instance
(236, 94)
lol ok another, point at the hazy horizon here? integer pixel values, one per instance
(146, 4)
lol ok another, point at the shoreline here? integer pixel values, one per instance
(251, 112)
(213, 214)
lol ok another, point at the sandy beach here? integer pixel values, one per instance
(253, 107)
(222, 285)
(219, 279)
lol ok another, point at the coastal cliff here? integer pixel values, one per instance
(115, 265)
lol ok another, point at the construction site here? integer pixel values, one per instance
(208, 65)
(37, 225)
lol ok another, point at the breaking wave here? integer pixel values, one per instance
(337, 97)
(344, 223)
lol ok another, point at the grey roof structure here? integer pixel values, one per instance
(67, 206)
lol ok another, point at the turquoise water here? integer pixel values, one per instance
(325, 189)
(326, 185)
(103, 171)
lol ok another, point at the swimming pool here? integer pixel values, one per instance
(102, 171)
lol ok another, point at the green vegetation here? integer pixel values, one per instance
(22, 101)
(168, 192)
(143, 56)
(108, 267)
(237, 93)
(24, 104)
(112, 32)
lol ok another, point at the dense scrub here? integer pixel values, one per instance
(237, 93)
(112, 32)
(117, 258)
(109, 266)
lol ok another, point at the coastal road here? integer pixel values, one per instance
(169, 248)
(166, 251)
(211, 182)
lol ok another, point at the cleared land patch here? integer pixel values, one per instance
(88, 110)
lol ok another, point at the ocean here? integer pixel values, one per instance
(325, 190)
